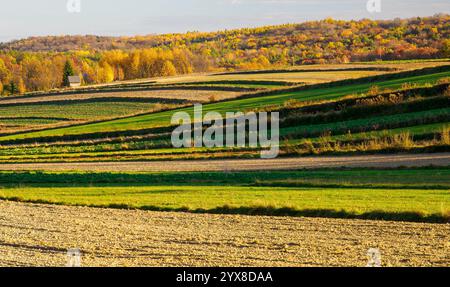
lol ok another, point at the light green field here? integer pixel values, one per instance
(414, 195)
(193, 197)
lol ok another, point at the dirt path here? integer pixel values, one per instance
(373, 161)
(39, 235)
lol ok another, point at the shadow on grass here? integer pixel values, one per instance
(391, 186)
(268, 211)
(331, 213)
(418, 179)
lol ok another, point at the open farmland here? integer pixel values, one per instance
(116, 101)
(309, 94)
(413, 118)
(317, 144)
(364, 154)
(407, 112)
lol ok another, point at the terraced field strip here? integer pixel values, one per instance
(372, 161)
(124, 157)
(78, 111)
(416, 130)
(408, 195)
(265, 84)
(25, 121)
(417, 178)
(168, 95)
(308, 77)
(111, 154)
(136, 147)
(375, 178)
(421, 205)
(182, 239)
(163, 118)
(360, 125)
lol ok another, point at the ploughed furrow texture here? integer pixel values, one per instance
(39, 235)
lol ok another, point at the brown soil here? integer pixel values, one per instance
(39, 235)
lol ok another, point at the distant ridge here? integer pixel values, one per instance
(293, 33)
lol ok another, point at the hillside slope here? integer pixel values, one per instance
(37, 63)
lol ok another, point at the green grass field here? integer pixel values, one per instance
(411, 195)
(367, 123)
(369, 178)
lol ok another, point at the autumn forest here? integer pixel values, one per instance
(38, 63)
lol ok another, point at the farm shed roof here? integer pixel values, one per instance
(74, 79)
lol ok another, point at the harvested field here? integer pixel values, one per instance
(39, 235)
(369, 161)
(310, 74)
(294, 77)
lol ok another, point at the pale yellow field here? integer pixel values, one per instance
(302, 77)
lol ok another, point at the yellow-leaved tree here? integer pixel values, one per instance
(167, 69)
(105, 74)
